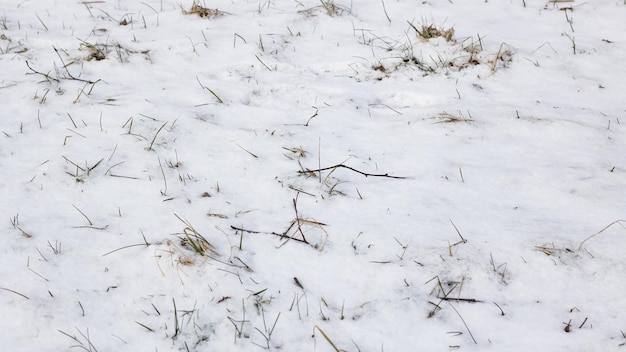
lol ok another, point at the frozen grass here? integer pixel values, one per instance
(312, 175)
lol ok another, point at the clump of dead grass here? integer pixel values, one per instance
(204, 12)
(430, 31)
(445, 117)
(101, 51)
(95, 51)
(331, 8)
(503, 58)
(433, 49)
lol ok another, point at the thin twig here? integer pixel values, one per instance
(47, 76)
(469, 300)
(281, 235)
(71, 77)
(350, 168)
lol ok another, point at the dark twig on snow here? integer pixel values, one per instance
(349, 168)
(71, 77)
(45, 75)
(294, 231)
(281, 235)
(295, 208)
(469, 300)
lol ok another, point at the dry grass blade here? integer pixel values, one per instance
(219, 100)
(445, 117)
(144, 326)
(551, 250)
(463, 240)
(129, 246)
(463, 320)
(619, 222)
(17, 293)
(504, 56)
(24, 233)
(295, 207)
(83, 214)
(546, 250)
(385, 105)
(330, 342)
(155, 137)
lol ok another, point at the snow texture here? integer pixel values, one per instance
(308, 175)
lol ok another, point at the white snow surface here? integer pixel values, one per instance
(464, 167)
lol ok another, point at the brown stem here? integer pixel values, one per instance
(353, 169)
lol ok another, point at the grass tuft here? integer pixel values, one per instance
(330, 7)
(430, 31)
(204, 12)
(195, 240)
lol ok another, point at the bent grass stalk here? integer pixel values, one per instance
(619, 222)
(12, 291)
(155, 136)
(330, 342)
(219, 100)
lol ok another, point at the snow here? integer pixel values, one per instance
(462, 174)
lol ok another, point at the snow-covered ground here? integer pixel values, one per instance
(304, 175)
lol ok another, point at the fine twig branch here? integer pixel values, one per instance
(350, 168)
(281, 235)
(50, 78)
(45, 75)
(469, 300)
(71, 77)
